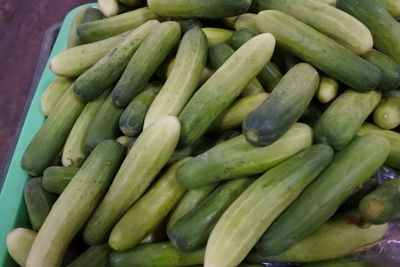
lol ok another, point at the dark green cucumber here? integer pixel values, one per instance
(56, 178)
(49, 140)
(247, 218)
(101, 29)
(19, 243)
(311, 114)
(132, 119)
(196, 9)
(94, 256)
(217, 35)
(287, 102)
(104, 124)
(145, 62)
(327, 90)
(38, 202)
(387, 113)
(199, 147)
(319, 50)
(350, 168)
(73, 39)
(187, 24)
(192, 230)
(384, 28)
(391, 6)
(354, 200)
(240, 37)
(75, 204)
(383, 204)
(237, 158)
(92, 14)
(340, 122)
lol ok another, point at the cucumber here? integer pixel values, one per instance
(92, 14)
(148, 212)
(53, 93)
(73, 39)
(187, 24)
(108, 69)
(327, 90)
(350, 168)
(340, 263)
(95, 256)
(393, 138)
(19, 243)
(217, 35)
(237, 113)
(254, 87)
(109, 8)
(132, 3)
(189, 201)
(237, 231)
(155, 255)
(49, 140)
(145, 62)
(384, 28)
(340, 122)
(126, 141)
(381, 205)
(387, 113)
(199, 147)
(309, 45)
(328, 2)
(191, 231)
(56, 178)
(196, 9)
(354, 200)
(230, 80)
(75, 205)
(101, 29)
(240, 37)
(287, 102)
(104, 125)
(343, 235)
(158, 235)
(311, 114)
(76, 60)
(237, 158)
(144, 161)
(38, 202)
(183, 79)
(391, 6)
(336, 24)
(389, 68)
(74, 152)
(248, 21)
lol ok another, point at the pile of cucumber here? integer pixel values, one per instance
(216, 133)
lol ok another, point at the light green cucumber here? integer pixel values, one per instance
(75, 204)
(327, 90)
(144, 161)
(109, 8)
(73, 39)
(248, 21)
(19, 243)
(145, 62)
(244, 222)
(217, 35)
(387, 113)
(183, 79)
(391, 6)
(126, 141)
(94, 256)
(56, 178)
(53, 93)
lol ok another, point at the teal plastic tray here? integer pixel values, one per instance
(12, 207)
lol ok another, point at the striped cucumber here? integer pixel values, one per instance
(287, 102)
(217, 35)
(53, 93)
(93, 82)
(237, 158)
(247, 21)
(19, 243)
(73, 39)
(74, 152)
(101, 29)
(387, 113)
(391, 6)
(327, 90)
(244, 222)
(310, 45)
(56, 178)
(350, 168)
(148, 212)
(145, 62)
(144, 161)
(49, 140)
(94, 256)
(75, 205)
(92, 14)
(224, 86)
(132, 119)
(340, 122)
(183, 79)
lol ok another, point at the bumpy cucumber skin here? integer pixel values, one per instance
(287, 102)
(320, 51)
(75, 205)
(53, 93)
(93, 256)
(145, 62)
(244, 222)
(351, 167)
(73, 39)
(19, 243)
(387, 113)
(49, 140)
(196, 9)
(340, 122)
(56, 178)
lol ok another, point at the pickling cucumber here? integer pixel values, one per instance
(73, 39)
(92, 14)
(321, 51)
(224, 86)
(237, 158)
(244, 222)
(144, 161)
(391, 6)
(387, 113)
(287, 102)
(327, 90)
(145, 62)
(53, 93)
(56, 178)
(75, 204)
(350, 168)
(340, 122)
(94, 256)
(19, 243)
(217, 35)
